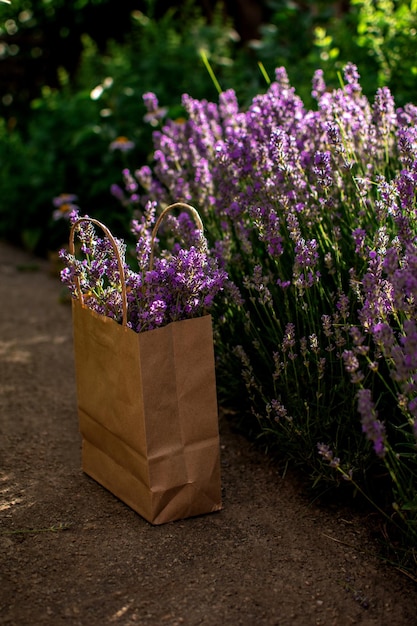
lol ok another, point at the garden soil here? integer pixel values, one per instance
(72, 554)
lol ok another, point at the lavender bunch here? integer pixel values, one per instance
(182, 284)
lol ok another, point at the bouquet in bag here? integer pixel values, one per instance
(144, 359)
(181, 283)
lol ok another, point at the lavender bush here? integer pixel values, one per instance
(312, 214)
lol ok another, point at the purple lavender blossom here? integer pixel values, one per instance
(318, 85)
(328, 455)
(322, 169)
(384, 115)
(371, 425)
(154, 112)
(351, 76)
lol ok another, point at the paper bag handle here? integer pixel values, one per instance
(176, 205)
(116, 252)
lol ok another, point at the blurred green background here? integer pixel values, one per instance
(72, 77)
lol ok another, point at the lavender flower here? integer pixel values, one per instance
(328, 455)
(371, 425)
(318, 85)
(322, 169)
(384, 115)
(154, 112)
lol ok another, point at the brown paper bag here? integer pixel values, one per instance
(148, 414)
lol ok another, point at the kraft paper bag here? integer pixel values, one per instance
(148, 415)
(147, 408)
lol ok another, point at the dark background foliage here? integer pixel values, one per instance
(54, 137)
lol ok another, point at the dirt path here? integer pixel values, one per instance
(269, 558)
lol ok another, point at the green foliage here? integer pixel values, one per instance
(63, 145)
(303, 40)
(387, 30)
(375, 35)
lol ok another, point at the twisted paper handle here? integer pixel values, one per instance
(116, 252)
(176, 205)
